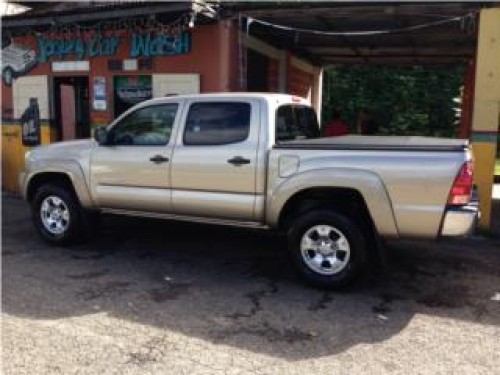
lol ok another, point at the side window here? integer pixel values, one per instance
(295, 122)
(285, 123)
(218, 123)
(149, 126)
(307, 123)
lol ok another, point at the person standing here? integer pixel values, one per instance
(336, 127)
(366, 123)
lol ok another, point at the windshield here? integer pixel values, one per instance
(296, 122)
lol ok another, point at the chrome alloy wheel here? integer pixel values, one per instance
(55, 214)
(325, 249)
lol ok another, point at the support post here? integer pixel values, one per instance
(486, 115)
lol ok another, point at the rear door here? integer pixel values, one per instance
(215, 160)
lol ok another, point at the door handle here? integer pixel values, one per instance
(158, 159)
(238, 160)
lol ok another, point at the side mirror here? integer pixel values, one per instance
(101, 135)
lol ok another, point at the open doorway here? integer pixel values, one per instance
(71, 105)
(257, 72)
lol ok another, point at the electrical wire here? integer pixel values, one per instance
(462, 19)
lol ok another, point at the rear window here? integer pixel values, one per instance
(217, 123)
(296, 122)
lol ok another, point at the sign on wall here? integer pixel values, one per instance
(70, 66)
(18, 60)
(149, 45)
(141, 45)
(99, 103)
(130, 90)
(175, 84)
(60, 48)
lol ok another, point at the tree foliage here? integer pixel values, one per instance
(415, 100)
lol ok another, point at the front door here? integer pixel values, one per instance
(215, 160)
(132, 171)
(68, 118)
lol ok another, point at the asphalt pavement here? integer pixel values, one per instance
(157, 297)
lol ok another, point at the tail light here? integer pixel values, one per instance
(461, 190)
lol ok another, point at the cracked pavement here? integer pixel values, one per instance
(155, 297)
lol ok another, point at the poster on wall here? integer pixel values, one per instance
(30, 121)
(100, 103)
(130, 90)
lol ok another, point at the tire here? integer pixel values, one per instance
(8, 76)
(328, 249)
(58, 216)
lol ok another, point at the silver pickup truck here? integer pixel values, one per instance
(256, 160)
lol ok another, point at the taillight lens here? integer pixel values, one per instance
(461, 190)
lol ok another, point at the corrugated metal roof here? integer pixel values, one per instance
(45, 8)
(60, 13)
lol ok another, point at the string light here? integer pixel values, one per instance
(191, 20)
(113, 28)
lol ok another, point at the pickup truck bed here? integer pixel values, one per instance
(392, 143)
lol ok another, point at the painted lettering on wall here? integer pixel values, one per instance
(97, 46)
(148, 45)
(18, 60)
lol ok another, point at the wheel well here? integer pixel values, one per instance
(55, 178)
(347, 201)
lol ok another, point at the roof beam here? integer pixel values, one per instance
(350, 9)
(398, 56)
(395, 60)
(381, 51)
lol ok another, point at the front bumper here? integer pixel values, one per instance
(22, 183)
(460, 221)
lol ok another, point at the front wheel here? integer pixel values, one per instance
(57, 215)
(327, 248)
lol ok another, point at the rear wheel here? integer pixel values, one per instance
(327, 248)
(58, 216)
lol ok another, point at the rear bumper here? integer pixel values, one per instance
(460, 221)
